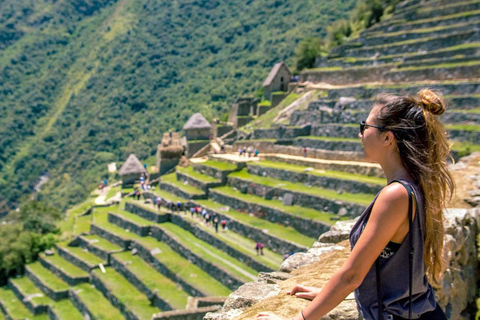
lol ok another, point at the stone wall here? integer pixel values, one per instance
(124, 223)
(274, 243)
(364, 169)
(72, 281)
(191, 314)
(80, 305)
(171, 188)
(194, 146)
(145, 213)
(212, 171)
(352, 146)
(229, 280)
(281, 132)
(326, 182)
(34, 308)
(456, 293)
(299, 198)
(208, 238)
(204, 186)
(112, 237)
(135, 281)
(99, 252)
(309, 227)
(117, 303)
(70, 257)
(55, 295)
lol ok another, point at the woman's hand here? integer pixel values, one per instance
(268, 316)
(304, 292)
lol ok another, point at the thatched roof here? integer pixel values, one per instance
(197, 121)
(132, 166)
(273, 73)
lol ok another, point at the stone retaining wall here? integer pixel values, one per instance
(367, 170)
(281, 132)
(456, 293)
(124, 223)
(352, 146)
(78, 303)
(52, 314)
(99, 252)
(326, 182)
(55, 295)
(128, 314)
(179, 192)
(346, 76)
(34, 308)
(229, 280)
(147, 255)
(70, 257)
(425, 74)
(308, 227)
(191, 314)
(333, 130)
(113, 238)
(212, 171)
(272, 242)
(135, 281)
(299, 198)
(208, 238)
(271, 147)
(72, 281)
(204, 186)
(145, 213)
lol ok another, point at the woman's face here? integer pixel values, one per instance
(372, 138)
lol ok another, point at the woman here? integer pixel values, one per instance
(404, 136)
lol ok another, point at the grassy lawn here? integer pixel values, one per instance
(103, 244)
(210, 253)
(464, 127)
(48, 278)
(165, 195)
(172, 179)
(360, 198)
(195, 174)
(321, 173)
(96, 302)
(67, 225)
(133, 218)
(126, 293)
(239, 242)
(14, 306)
(113, 191)
(27, 287)
(287, 233)
(465, 148)
(177, 264)
(220, 165)
(167, 289)
(86, 256)
(443, 65)
(82, 224)
(69, 268)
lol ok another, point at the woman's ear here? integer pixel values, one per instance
(388, 139)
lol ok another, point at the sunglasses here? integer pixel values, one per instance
(363, 125)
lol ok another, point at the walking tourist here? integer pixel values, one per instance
(397, 242)
(192, 211)
(215, 221)
(159, 202)
(224, 224)
(304, 152)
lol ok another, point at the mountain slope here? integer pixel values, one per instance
(87, 82)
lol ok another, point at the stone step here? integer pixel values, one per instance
(123, 295)
(92, 303)
(353, 167)
(32, 297)
(419, 33)
(410, 46)
(439, 62)
(369, 91)
(159, 255)
(333, 180)
(216, 169)
(280, 239)
(63, 269)
(79, 257)
(194, 178)
(307, 196)
(49, 283)
(171, 184)
(308, 221)
(163, 292)
(99, 246)
(13, 308)
(209, 258)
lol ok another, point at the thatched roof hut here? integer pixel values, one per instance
(131, 170)
(197, 128)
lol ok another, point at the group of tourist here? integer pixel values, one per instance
(247, 151)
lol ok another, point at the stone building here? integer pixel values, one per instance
(277, 80)
(169, 152)
(131, 170)
(197, 128)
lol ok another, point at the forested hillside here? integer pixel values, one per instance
(86, 82)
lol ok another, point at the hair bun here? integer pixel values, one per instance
(431, 102)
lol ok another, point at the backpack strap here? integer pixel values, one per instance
(411, 197)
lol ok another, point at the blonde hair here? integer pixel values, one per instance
(424, 148)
